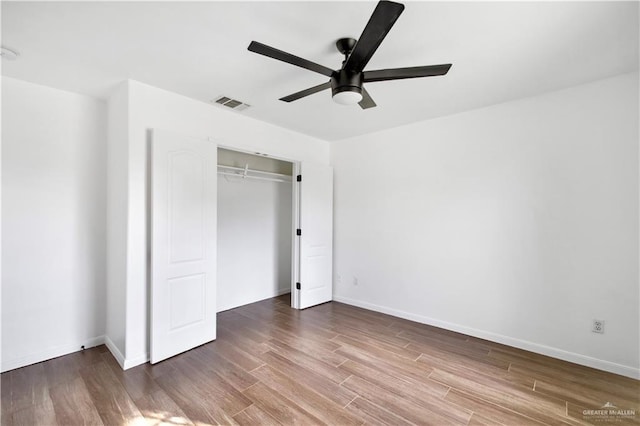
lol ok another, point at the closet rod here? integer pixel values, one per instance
(243, 169)
(254, 177)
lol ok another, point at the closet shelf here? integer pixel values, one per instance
(246, 173)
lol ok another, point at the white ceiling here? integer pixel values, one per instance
(500, 51)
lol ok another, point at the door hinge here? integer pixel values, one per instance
(298, 232)
(297, 286)
(299, 178)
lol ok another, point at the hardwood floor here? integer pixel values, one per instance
(333, 364)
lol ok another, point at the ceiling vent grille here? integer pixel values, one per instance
(231, 103)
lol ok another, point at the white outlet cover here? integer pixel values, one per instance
(598, 326)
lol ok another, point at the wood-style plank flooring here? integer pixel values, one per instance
(333, 364)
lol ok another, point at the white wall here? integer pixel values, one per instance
(517, 223)
(149, 108)
(53, 222)
(254, 240)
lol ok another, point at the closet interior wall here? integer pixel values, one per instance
(254, 228)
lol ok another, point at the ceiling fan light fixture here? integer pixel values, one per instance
(348, 95)
(346, 87)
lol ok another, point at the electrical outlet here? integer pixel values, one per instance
(598, 326)
(338, 278)
(355, 280)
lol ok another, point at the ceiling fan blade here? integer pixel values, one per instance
(307, 92)
(274, 53)
(384, 16)
(410, 72)
(366, 101)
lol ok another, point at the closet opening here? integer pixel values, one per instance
(255, 229)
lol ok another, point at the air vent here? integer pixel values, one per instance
(231, 103)
(223, 100)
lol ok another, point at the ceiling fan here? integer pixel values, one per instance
(347, 83)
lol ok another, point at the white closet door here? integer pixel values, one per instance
(316, 222)
(183, 244)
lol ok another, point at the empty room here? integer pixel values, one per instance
(320, 212)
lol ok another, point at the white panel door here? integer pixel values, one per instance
(316, 222)
(183, 243)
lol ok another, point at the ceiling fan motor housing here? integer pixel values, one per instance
(346, 81)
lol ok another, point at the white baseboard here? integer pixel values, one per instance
(283, 291)
(50, 353)
(124, 363)
(133, 362)
(114, 351)
(599, 364)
